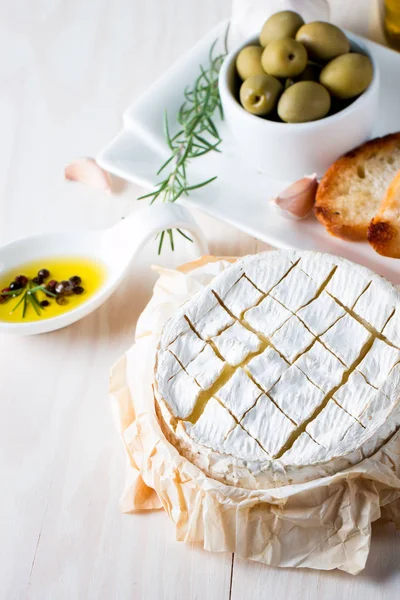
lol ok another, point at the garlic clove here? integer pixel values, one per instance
(297, 200)
(86, 170)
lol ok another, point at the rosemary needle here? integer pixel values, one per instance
(196, 136)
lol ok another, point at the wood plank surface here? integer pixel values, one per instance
(68, 69)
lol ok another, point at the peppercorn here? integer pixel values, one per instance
(22, 279)
(67, 287)
(78, 289)
(44, 273)
(61, 300)
(14, 286)
(75, 280)
(38, 280)
(44, 303)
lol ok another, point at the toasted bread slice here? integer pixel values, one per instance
(353, 187)
(384, 229)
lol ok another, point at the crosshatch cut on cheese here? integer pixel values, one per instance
(285, 368)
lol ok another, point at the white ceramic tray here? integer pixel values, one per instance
(240, 195)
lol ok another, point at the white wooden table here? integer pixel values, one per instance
(67, 70)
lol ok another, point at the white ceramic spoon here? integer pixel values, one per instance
(115, 248)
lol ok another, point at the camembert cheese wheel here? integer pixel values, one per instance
(284, 369)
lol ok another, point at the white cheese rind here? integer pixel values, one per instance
(373, 308)
(304, 451)
(346, 339)
(206, 367)
(267, 316)
(167, 365)
(266, 278)
(213, 322)
(355, 394)
(378, 362)
(267, 368)
(236, 343)
(267, 424)
(239, 443)
(186, 347)
(292, 339)
(239, 394)
(241, 296)
(213, 425)
(319, 270)
(321, 313)
(180, 393)
(331, 425)
(392, 329)
(321, 367)
(295, 290)
(296, 396)
(348, 283)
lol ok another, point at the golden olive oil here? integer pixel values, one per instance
(92, 274)
(391, 22)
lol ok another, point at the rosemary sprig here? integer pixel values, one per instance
(197, 135)
(28, 296)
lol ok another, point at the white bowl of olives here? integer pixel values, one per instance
(299, 96)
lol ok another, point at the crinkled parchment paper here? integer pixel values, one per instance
(323, 524)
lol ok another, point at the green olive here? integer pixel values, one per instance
(248, 62)
(281, 25)
(323, 41)
(259, 94)
(284, 58)
(348, 75)
(304, 101)
(310, 73)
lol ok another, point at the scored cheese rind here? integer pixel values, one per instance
(239, 443)
(373, 311)
(279, 265)
(355, 395)
(181, 393)
(296, 396)
(235, 344)
(206, 368)
(267, 421)
(239, 394)
(331, 425)
(267, 368)
(167, 366)
(213, 322)
(267, 424)
(347, 284)
(319, 270)
(295, 290)
(320, 314)
(242, 295)
(321, 367)
(267, 316)
(213, 425)
(304, 450)
(186, 347)
(346, 339)
(391, 331)
(378, 363)
(292, 339)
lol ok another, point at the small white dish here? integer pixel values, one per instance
(113, 248)
(291, 150)
(241, 194)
